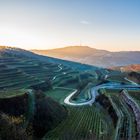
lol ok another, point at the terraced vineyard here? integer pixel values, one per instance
(22, 73)
(63, 100)
(82, 123)
(126, 127)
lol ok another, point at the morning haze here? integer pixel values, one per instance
(47, 24)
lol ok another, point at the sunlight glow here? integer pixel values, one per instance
(53, 24)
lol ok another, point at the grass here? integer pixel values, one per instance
(11, 93)
(58, 94)
(135, 94)
(118, 78)
(85, 93)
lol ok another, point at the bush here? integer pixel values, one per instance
(11, 128)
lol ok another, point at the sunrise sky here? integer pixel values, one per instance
(46, 24)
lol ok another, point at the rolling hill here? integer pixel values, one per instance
(48, 98)
(91, 56)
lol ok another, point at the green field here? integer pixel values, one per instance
(59, 94)
(109, 117)
(82, 123)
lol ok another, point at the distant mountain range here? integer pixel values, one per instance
(92, 56)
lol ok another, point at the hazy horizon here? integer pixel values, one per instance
(78, 46)
(46, 24)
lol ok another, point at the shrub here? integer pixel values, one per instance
(11, 128)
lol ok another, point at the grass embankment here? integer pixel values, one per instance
(59, 93)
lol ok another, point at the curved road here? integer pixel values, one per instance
(94, 93)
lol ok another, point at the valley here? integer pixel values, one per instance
(63, 100)
(70, 70)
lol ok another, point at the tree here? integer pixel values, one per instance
(11, 128)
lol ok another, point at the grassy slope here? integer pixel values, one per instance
(78, 125)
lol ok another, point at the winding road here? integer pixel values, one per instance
(94, 92)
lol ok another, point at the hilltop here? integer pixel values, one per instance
(71, 51)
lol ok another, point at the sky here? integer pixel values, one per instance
(112, 25)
